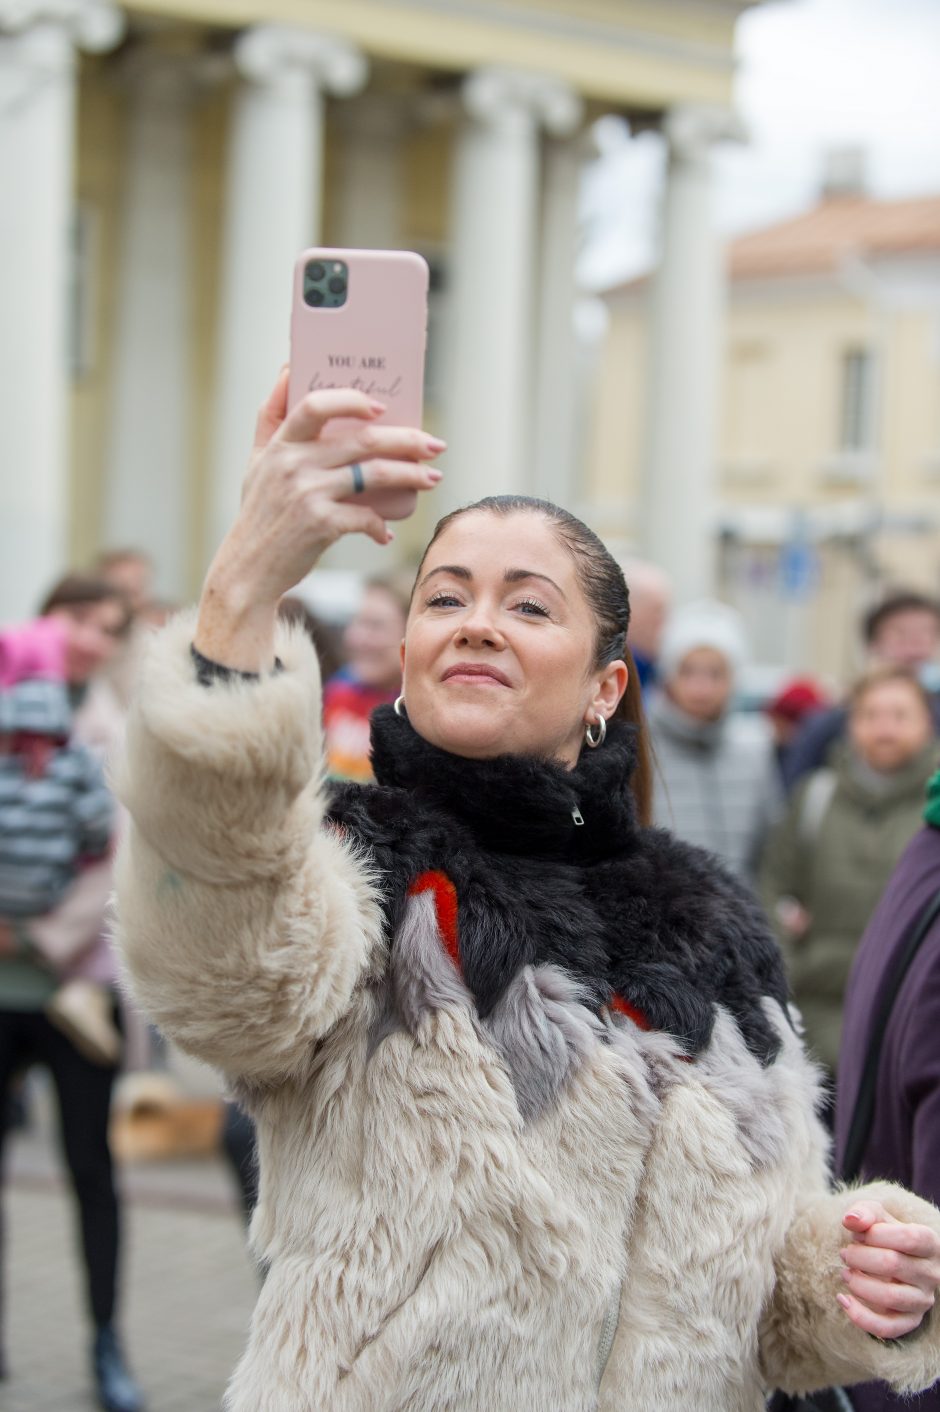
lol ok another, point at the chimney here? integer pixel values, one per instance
(844, 174)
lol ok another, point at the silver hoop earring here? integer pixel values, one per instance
(595, 740)
(399, 707)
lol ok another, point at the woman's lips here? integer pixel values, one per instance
(469, 674)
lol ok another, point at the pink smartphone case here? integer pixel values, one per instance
(375, 342)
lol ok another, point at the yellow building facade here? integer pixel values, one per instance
(167, 159)
(827, 469)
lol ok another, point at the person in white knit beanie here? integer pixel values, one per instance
(705, 625)
(716, 784)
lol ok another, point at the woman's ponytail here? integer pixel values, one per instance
(632, 711)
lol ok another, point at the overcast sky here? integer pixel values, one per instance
(812, 75)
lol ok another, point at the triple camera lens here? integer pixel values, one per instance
(326, 283)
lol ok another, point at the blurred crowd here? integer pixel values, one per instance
(812, 798)
(66, 677)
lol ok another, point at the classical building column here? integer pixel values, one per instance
(39, 40)
(557, 372)
(149, 446)
(273, 201)
(685, 356)
(494, 253)
(371, 172)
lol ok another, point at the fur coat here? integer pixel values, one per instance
(535, 1126)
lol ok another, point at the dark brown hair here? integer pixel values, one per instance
(326, 637)
(900, 601)
(605, 589)
(83, 591)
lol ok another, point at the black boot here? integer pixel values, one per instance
(117, 1390)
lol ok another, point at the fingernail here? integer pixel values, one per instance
(846, 1273)
(435, 475)
(853, 1215)
(435, 444)
(844, 1301)
(389, 536)
(377, 407)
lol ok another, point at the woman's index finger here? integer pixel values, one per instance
(307, 419)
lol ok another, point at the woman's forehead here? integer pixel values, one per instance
(485, 542)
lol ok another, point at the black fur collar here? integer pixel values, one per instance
(517, 804)
(627, 911)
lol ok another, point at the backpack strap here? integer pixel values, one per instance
(817, 797)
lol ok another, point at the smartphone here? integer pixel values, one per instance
(359, 319)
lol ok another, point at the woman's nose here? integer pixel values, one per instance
(479, 630)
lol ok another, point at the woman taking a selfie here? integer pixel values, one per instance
(535, 1127)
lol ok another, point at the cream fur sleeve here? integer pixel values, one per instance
(244, 925)
(807, 1342)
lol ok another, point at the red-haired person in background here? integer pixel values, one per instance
(371, 678)
(789, 710)
(903, 630)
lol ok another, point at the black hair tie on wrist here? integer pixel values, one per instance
(208, 671)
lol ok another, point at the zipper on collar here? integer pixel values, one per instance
(577, 816)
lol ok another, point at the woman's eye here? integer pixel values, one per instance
(444, 600)
(534, 607)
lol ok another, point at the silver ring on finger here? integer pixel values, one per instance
(358, 478)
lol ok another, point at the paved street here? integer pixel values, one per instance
(189, 1286)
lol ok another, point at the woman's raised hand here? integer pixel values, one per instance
(891, 1271)
(295, 505)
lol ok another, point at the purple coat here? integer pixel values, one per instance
(904, 1144)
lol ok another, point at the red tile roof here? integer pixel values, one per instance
(820, 239)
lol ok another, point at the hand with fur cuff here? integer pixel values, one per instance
(891, 1269)
(810, 1338)
(245, 926)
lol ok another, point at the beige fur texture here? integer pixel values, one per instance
(245, 926)
(445, 1233)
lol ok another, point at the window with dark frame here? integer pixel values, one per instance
(855, 413)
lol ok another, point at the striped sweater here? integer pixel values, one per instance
(55, 808)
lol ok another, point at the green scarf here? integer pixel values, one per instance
(932, 812)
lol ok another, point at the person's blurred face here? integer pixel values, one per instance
(907, 639)
(373, 640)
(134, 578)
(890, 725)
(702, 684)
(649, 609)
(500, 646)
(93, 634)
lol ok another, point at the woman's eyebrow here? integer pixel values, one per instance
(456, 571)
(459, 571)
(517, 575)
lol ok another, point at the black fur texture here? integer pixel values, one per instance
(623, 909)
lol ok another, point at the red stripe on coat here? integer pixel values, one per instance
(623, 1007)
(445, 906)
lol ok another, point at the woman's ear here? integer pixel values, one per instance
(611, 685)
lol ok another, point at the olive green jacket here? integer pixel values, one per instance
(834, 852)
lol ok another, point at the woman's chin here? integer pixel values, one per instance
(469, 730)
